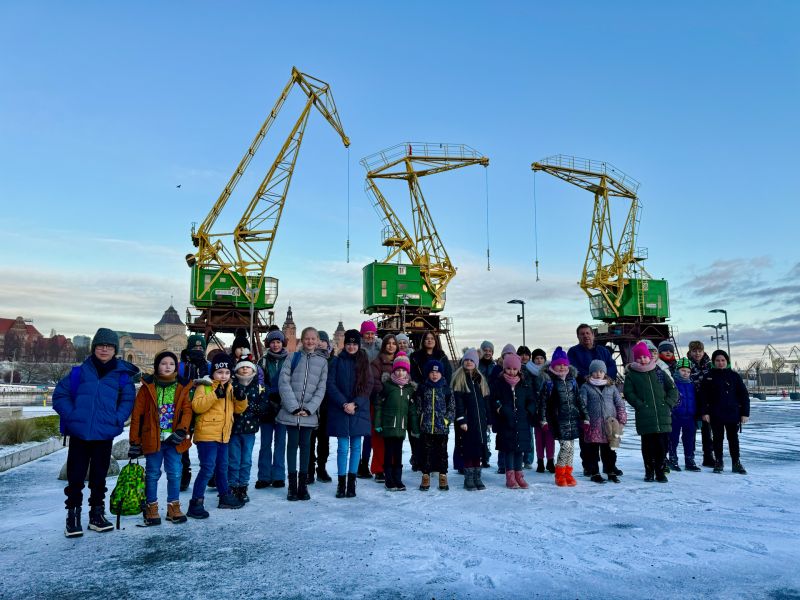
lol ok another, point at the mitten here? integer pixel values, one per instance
(135, 451)
(221, 390)
(176, 438)
(240, 393)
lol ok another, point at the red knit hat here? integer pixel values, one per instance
(401, 362)
(640, 350)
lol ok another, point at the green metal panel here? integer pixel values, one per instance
(212, 288)
(654, 297)
(387, 285)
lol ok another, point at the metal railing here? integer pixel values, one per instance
(565, 161)
(413, 149)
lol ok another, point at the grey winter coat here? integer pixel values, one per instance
(302, 389)
(601, 403)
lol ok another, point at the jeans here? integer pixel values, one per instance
(686, 428)
(513, 461)
(343, 446)
(298, 437)
(93, 456)
(213, 460)
(171, 460)
(240, 458)
(272, 464)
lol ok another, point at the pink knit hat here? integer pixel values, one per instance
(368, 326)
(640, 350)
(401, 362)
(511, 361)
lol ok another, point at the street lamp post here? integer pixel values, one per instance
(727, 335)
(520, 317)
(716, 331)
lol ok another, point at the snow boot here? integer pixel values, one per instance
(278, 483)
(291, 494)
(229, 500)
(551, 467)
(718, 466)
(661, 474)
(302, 487)
(540, 465)
(561, 479)
(196, 509)
(186, 477)
(673, 464)
(340, 486)
(708, 460)
(569, 478)
(612, 477)
(443, 482)
(511, 480)
(322, 475)
(425, 484)
(649, 471)
(520, 477)
(597, 478)
(263, 483)
(351, 486)
(243, 494)
(363, 470)
(174, 512)
(617, 472)
(150, 514)
(73, 527)
(479, 485)
(738, 468)
(690, 465)
(388, 480)
(380, 478)
(98, 521)
(469, 479)
(501, 470)
(665, 467)
(398, 479)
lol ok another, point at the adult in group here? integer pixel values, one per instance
(489, 368)
(302, 384)
(349, 388)
(701, 365)
(725, 406)
(382, 364)
(272, 453)
(581, 356)
(371, 345)
(320, 440)
(93, 402)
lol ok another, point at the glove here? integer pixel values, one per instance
(135, 451)
(240, 393)
(177, 437)
(586, 427)
(378, 429)
(221, 390)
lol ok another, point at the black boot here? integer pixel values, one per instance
(738, 468)
(291, 494)
(540, 465)
(340, 486)
(351, 486)
(397, 476)
(243, 494)
(551, 467)
(363, 470)
(708, 460)
(718, 465)
(263, 483)
(322, 475)
(97, 520)
(649, 472)
(302, 487)
(661, 471)
(479, 485)
(73, 528)
(388, 480)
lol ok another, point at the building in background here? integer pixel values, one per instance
(141, 348)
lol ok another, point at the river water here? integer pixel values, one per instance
(39, 400)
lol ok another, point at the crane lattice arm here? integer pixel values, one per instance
(609, 264)
(409, 162)
(249, 245)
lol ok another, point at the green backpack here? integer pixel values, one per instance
(128, 495)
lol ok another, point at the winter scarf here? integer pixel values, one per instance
(245, 381)
(598, 382)
(403, 379)
(677, 376)
(511, 380)
(162, 381)
(277, 355)
(643, 368)
(103, 368)
(561, 377)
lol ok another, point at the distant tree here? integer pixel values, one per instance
(12, 349)
(56, 372)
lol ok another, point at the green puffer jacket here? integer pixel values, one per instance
(652, 394)
(393, 409)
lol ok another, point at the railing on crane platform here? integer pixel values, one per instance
(414, 149)
(565, 161)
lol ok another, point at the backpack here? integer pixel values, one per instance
(128, 496)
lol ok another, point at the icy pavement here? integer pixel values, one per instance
(700, 535)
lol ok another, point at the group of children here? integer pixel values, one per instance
(220, 406)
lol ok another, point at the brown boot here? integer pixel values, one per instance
(443, 482)
(426, 482)
(151, 516)
(174, 512)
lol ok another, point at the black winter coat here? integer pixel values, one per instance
(418, 360)
(724, 396)
(560, 404)
(471, 410)
(515, 410)
(250, 420)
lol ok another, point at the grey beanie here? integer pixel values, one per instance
(276, 335)
(486, 345)
(650, 345)
(597, 365)
(105, 336)
(666, 346)
(324, 337)
(402, 337)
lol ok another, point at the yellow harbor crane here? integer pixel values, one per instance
(407, 293)
(229, 283)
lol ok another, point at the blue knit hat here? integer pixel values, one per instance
(487, 345)
(433, 365)
(559, 357)
(276, 335)
(470, 354)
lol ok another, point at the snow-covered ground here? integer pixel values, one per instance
(700, 535)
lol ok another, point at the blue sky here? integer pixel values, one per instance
(104, 109)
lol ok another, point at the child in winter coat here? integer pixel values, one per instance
(382, 365)
(160, 424)
(725, 406)
(393, 414)
(349, 387)
(434, 410)
(302, 383)
(543, 438)
(684, 418)
(561, 410)
(701, 365)
(214, 404)
(471, 392)
(607, 415)
(652, 394)
(514, 400)
(245, 426)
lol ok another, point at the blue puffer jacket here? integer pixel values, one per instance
(100, 407)
(341, 391)
(434, 408)
(686, 409)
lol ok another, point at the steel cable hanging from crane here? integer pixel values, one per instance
(488, 264)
